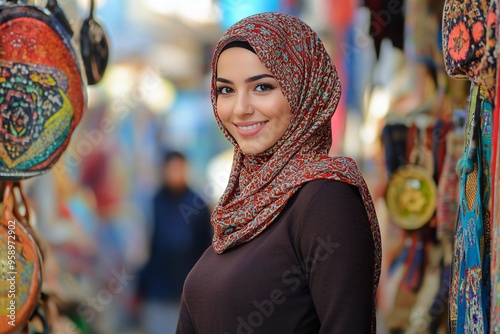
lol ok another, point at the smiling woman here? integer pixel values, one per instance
(296, 245)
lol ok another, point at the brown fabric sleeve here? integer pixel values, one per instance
(337, 252)
(185, 324)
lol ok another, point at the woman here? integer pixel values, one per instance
(296, 247)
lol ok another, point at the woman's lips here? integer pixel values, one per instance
(249, 129)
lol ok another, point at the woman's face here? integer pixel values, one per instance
(250, 102)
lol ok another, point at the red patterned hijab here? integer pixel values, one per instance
(261, 184)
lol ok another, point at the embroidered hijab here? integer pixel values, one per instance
(261, 184)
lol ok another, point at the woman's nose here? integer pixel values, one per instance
(243, 104)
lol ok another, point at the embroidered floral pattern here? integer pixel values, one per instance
(459, 42)
(470, 233)
(470, 47)
(475, 322)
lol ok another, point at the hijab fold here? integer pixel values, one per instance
(260, 185)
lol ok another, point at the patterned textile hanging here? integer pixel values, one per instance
(449, 181)
(495, 173)
(470, 51)
(470, 282)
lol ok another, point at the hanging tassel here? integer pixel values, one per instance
(466, 163)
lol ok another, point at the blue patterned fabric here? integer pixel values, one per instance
(471, 283)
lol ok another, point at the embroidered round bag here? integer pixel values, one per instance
(20, 264)
(42, 93)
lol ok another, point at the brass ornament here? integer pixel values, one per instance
(411, 197)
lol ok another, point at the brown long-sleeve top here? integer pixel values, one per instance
(310, 271)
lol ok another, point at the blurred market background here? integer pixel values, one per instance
(93, 209)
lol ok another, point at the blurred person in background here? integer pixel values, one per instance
(180, 234)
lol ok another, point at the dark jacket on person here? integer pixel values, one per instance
(181, 232)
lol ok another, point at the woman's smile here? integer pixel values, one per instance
(249, 129)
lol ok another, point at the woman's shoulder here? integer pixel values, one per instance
(323, 199)
(329, 207)
(328, 189)
(328, 203)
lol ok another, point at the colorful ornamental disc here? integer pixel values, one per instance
(20, 274)
(42, 95)
(411, 197)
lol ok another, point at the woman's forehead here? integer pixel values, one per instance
(240, 61)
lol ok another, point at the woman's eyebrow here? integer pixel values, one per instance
(251, 79)
(258, 77)
(224, 80)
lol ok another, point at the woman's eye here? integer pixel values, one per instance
(224, 90)
(264, 87)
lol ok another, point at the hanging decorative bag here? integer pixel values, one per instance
(20, 264)
(42, 93)
(470, 42)
(411, 197)
(94, 48)
(411, 191)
